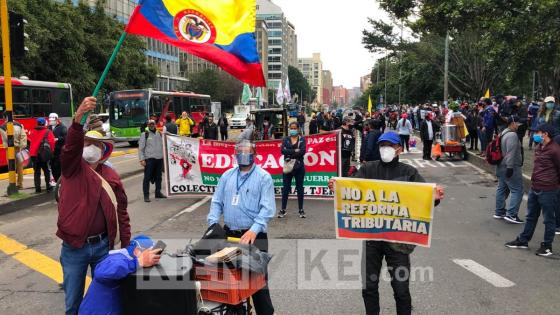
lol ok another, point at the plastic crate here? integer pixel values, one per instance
(227, 285)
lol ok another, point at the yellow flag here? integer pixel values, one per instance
(487, 94)
(369, 104)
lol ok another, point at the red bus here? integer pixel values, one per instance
(34, 99)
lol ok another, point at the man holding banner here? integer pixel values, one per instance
(397, 255)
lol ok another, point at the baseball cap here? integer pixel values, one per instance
(550, 99)
(41, 121)
(391, 137)
(140, 241)
(53, 116)
(548, 128)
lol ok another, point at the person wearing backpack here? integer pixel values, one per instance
(150, 155)
(41, 151)
(509, 173)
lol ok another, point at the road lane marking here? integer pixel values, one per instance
(527, 177)
(484, 273)
(123, 161)
(132, 177)
(34, 259)
(191, 208)
(27, 171)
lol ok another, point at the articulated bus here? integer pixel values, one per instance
(130, 110)
(34, 99)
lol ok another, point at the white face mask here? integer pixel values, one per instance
(92, 154)
(387, 154)
(52, 122)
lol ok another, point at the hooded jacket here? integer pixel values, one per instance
(395, 171)
(81, 193)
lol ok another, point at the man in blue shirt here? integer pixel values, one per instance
(245, 197)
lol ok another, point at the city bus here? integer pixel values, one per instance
(130, 110)
(33, 99)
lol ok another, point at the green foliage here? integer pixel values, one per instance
(299, 85)
(221, 86)
(494, 44)
(73, 44)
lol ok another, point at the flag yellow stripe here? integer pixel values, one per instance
(231, 18)
(33, 259)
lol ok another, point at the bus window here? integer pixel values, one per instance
(156, 106)
(179, 105)
(62, 103)
(128, 109)
(41, 102)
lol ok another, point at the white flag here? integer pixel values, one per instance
(287, 94)
(280, 94)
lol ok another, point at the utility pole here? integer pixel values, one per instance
(400, 64)
(12, 188)
(386, 61)
(446, 72)
(534, 82)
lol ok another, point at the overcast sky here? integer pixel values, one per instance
(334, 28)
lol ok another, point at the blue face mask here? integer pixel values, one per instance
(538, 138)
(549, 105)
(293, 132)
(245, 159)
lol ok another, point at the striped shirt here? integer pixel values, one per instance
(255, 204)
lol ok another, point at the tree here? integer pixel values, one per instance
(299, 85)
(221, 86)
(73, 44)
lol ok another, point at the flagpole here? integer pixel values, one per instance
(105, 72)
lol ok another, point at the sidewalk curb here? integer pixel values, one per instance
(481, 163)
(21, 204)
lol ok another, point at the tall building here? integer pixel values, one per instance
(261, 32)
(365, 82)
(282, 42)
(327, 87)
(165, 57)
(340, 95)
(312, 69)
(353, 94)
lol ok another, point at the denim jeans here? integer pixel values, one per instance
(513, 187)
(482, 137)
(299, 175)
(398, 265)
(75, 262)
(547, 201)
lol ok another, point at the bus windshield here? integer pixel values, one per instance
(128, 108)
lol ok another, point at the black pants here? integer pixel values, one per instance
(55, 167)
(223, 134)
(473, 139)
(427, 149)
(152, 173)
(398, 265)
(39, 165)
(299, 175)
(404, 141)
(261, 299)
(489, 133)
(345, 165)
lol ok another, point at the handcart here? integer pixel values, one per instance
(452, 145)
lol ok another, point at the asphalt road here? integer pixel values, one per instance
(465, 236)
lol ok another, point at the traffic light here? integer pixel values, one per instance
(17, 35)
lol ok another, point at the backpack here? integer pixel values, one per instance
(494, 153)
(45, 152)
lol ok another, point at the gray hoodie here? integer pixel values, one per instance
(511, 150)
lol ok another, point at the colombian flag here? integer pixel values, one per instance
(220, 31)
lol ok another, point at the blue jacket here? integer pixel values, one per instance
(103, 296)
(370, 150)
(489, 120)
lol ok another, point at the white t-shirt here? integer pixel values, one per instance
(430, 130)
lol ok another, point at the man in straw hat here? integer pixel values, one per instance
(92, 208)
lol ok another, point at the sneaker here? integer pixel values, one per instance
(544, 251)
(557, 231)
(499, 216)
(161, 196)
(517, 244)
(147, 199)
(281, 214)
(302, 214)
(513, 219)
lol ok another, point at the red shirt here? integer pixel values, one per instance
(36, 137)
